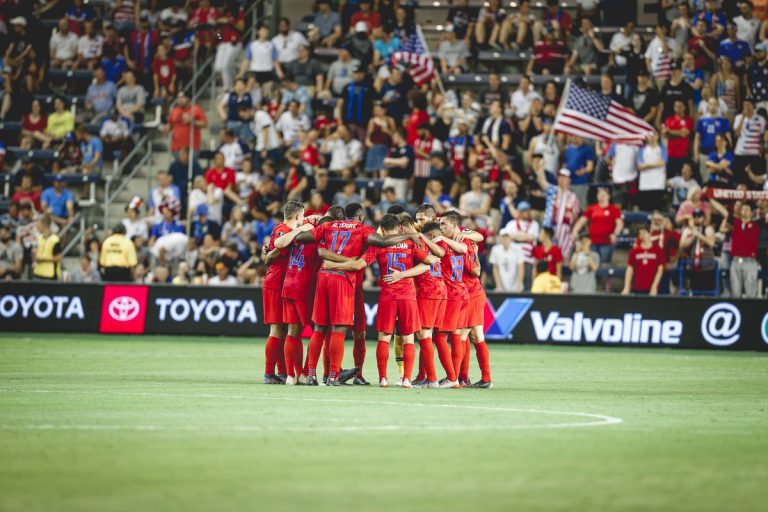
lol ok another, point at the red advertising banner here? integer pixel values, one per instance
(727, 194)
(124, 309)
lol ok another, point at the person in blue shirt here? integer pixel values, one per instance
(579, 158)
(720, 163)
(735, 49)
(714, 19)
(707, 128)
(92, 150)
(169, 224)
(100, 97)
(58, 201)
(113, 64)
(204, 226)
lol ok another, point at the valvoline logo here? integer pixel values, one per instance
(500, 323)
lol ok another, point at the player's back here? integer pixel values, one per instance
(430, 285)
(346, 238)
(276, 273)
(398, 258)
(300, 278)
(452, 265)
(471, 281)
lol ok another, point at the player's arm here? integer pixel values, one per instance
(433, 247)
(378, 240)
(271, 256)
(332, 256)
(288, 238)
(351, 265)
(305, 237)
(470, 235)
(417, 270)
(476, 270)
(458, 247)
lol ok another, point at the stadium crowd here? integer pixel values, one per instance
(319, 112)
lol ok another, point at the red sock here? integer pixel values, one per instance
(313, 352)
(444, 353)
(327, 354)
(337, 353)
(270, 354)
(281, 357)
(409, 358)
(464, 373)
(358, 352)
(382, 357)
(484, 360)
(290, 355)
(422, 371)
(457, 351)
(298, 356)
(427, 358)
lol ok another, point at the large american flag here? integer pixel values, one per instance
(417, 58)
(594, 116)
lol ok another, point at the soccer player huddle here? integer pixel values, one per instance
(430, 293)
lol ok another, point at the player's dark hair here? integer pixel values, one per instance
(430, 226)
(325, 219)
(389, 222)
(549, 231)
(353, 210)
(336, 212)
(395, 209)
(453, 216)
(291, 209)
(406, 220)
(427, 209)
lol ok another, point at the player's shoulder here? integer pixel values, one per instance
(280, 229)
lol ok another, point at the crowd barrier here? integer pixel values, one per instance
(600, 320)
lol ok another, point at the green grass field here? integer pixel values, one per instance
(100, 423)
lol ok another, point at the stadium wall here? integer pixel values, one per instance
(677, 322)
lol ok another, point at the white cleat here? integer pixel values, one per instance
(290, 381)
(399, 382)
(383, 383)
(303, 380)
(406, 383)
(434, 384)
(449, 384)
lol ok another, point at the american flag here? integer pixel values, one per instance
(417, 58)
(594, 116)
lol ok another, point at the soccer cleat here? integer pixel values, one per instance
(463, 383)
(303, 380)
(325, 380)
(312, 381)
(419, 383)
(271, 379)
(290, 381)
(383, 383)
(448, 384)
(345, 375)
(399, 382)
(333, 382)
(483, 384)
(360, 381)
(432, 385)
(281, 378)
(406, 384)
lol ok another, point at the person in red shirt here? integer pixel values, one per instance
(645, 266)
(549, 252)
(548, 54)
(367, 15)
(475, 324)
(677, 128)
(334, 307)
(26, 192)
(668, 240)
(605, 224)
(418, 116)
(163, 74)
(222, 177)
(745, 235)
(201, 19)
(180, 121)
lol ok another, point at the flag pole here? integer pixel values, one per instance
(563, 100)
(429, 52)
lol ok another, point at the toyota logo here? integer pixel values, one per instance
(720, 324)
(124, 309)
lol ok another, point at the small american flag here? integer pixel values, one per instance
(416, 56)
(594, 116)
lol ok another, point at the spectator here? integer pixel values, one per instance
(133, 224)
(435, 197)
(287, 43)
(549, 56)
(675, 89)
(63, 46)
(546, 282)
(384, 46)
(118, 256)
(737, 50)
(11, 255)
(476, 202)
(261, 58)
(494, 92)
(645, 266)
(347, 195)
(508, 265)
(115, 135)
(164, 188)
(366, 15)
(47, 253)
(231, 25)
(326, 25)
(131, 98)
(452, 52)
(605, 225)
(702, 46)
(667, 239)
(356, 104)
(203, 225)
(744, 267)
(222, 276)
(27, 192)
(181, 121)
(234, 150)
(60, 121)
(707, 129)
(720, 164)
(549, 252)
(100, 97)
(677, 129)
(714, 19)
(209, 195)
(164, 75)
(757, 77)
(584, 264)
(90, 47)
(523, 98)
(698, 242)
(92, 150)
(231, 103)
(621, 45)
(33, 128)
(306, 72)
(747, 24)
(524, 232)
(659, 55)
(346, 152)
(179, 172)
(378, 138)
(267, 138)
(496, 132)
(169, 210)
(652, 165)
(579, 159)
(360, 44)
(125, 15)
(585, 50)
(20, 67)
(726, 85)
(58, 202)
(143, 45)
(682, 185)
(693, 76)
(222, 177)
(750, 131)
(399, 164)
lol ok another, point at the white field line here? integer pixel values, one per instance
(597, 420)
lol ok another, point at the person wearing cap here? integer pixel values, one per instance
(19, 67)
(118, 256)
(287, 42)
(340, 71)
(506, 259)
(747, 24)
(184, 118)
(757, 77)
(676, 88)
(734, 48)
(605, 224)
(47, 252)
(360, 44)
(203, 225)
(58, 202)
(11, 254)
(326, 25)
(452, 52)
(525, 232)
(355, 105)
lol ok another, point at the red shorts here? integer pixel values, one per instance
(455, 315)
(476, 311)
(298, 312)
(334, 300)
(431, 312)
(273, 306)
(360, 316)
(403, 312)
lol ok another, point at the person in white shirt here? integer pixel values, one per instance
(750, 128)
(623, 161)
(652, 165)
(287, 42)
(63, 46)
(621, 43)
(165, 187)
(267, 138)
(208, 194)
(261, 58)
(346, 152)
(291, 122)
(222, 277)
(523, 97)
(659, 55)
(525, 232)
(747, 24)
(134, 225)
(508, 265)
(89, 47)
(174, 16)
(233, 149)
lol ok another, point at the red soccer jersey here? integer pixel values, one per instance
(397, 258)
(452, 266)
(164, 70)
(744, 239)
(345, 237)
(645, 263)
(301, 274)
(471, 281)
(276, 273)
(220, 179)
(430, 285)
(553, 256)
(678, 147)
(602, 222)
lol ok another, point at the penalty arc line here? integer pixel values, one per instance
(599, 420)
